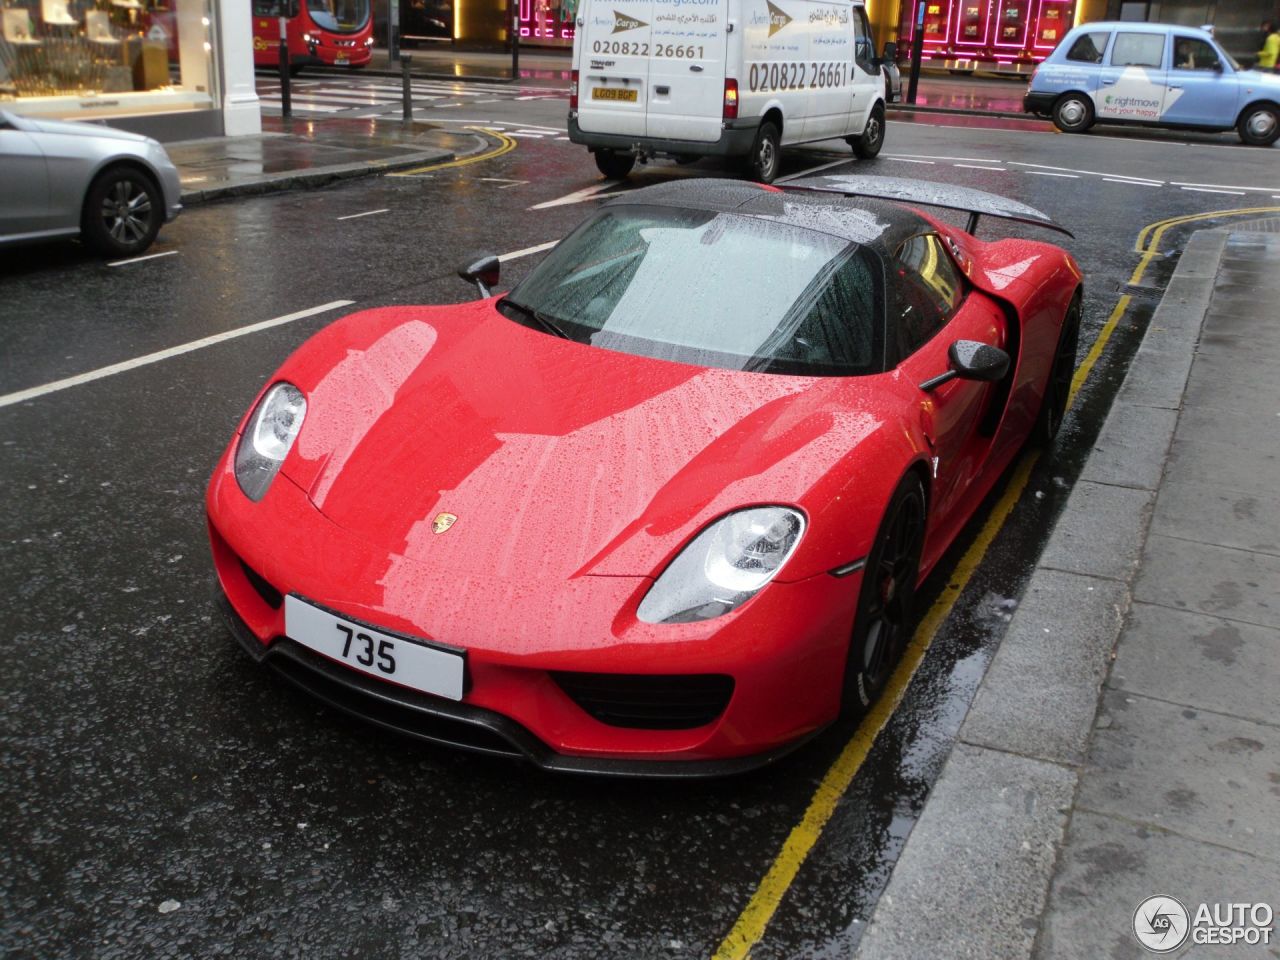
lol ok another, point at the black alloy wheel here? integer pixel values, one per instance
(122, 212)
(614, 165)
(1053, 406)
(886, 602)
(868, 145)
(1073, 113)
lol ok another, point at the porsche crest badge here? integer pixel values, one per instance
(443, 522)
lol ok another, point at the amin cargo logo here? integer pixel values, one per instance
(621, 22)
(777, 18)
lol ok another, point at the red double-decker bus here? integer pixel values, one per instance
(320, 32)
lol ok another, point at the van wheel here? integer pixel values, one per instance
(1073, 113)
(868, 145)
(766, 152)
(614, 165)
(1259, 125)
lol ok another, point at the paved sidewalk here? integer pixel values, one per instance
(310, 153)
(1126, 739)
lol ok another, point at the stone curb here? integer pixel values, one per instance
(315, 177)
(974, 875)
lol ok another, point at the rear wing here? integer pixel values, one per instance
(974, 202)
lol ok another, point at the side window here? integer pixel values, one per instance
(1138, 50)
(864, 51)
(928, 291)
(1190, 53)
(1088, 47)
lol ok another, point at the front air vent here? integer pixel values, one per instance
(649, 702)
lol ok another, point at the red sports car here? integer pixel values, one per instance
(661, 509)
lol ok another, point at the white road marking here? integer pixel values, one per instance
(562, 138)
(509, 183)
(527, 251)
(531, 136)
(973, 166)
(812, 170)
(1234, 193)
(930, 163)
(1091, 173)
(543, 130)
(441, 106)
(311, 107)
(1134, 183)
(578, 196)
(149, 256)
(929, 156)
(1050, 173)
(31, 393)
(1224, 186)
(367, 213)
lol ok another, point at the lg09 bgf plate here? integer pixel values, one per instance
(613, 93)
(410, 663)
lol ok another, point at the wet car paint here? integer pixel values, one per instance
(150, 761)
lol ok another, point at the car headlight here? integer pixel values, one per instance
(267, 438)
(724, 566)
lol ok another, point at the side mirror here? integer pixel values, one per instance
(483, 271)
(890, 51)
(971, 360)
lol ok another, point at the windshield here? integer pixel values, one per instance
(712, 289)
(339, 16)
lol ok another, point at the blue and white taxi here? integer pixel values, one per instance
(1153, 74)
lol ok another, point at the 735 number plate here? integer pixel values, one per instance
(401, 660)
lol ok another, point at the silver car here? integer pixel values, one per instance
(110, 187)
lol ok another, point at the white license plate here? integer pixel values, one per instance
(410, 663)
(340, 61)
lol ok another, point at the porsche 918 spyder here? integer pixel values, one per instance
(662, 509)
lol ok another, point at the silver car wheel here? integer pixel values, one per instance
(126, 212)
(1262, 124)
(1072, 112)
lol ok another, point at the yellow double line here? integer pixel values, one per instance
(505, 145)
(750, 926)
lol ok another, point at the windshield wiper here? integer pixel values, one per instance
(541, 319)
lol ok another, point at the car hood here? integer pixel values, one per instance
(74, 129)
(556, 458)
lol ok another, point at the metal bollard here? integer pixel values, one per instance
(406, 93)
(286, 94)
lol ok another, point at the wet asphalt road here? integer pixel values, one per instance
(146, 760)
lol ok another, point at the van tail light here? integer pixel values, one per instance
(730, 99)
(573, 90)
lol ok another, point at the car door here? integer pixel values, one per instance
(687, 70)
(24, 182)
(930, 307)
(1202, 88)
(1131, 85)
(614, 51)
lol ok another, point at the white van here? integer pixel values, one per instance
(729, 78)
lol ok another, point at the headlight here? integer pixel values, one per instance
(267, 438)
(724, 566)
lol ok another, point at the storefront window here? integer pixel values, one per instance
(106, 57)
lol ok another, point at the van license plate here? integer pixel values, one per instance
(613, 93)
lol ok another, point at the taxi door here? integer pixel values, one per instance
(1203, 89)
(1131, 85)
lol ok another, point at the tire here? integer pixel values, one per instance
(868, 145)
(1053, 405)
(614, 165)
(886, 601)
(1073, 113)
(122, 213)
(766, 154)
(1259, 125)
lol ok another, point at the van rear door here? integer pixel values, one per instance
(687, 69)
(613, 71)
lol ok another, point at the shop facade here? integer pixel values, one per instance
(173, 69)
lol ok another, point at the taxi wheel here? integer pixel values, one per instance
(1259, 126)
(762, 162)
(1073, 113)
(614, 165)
